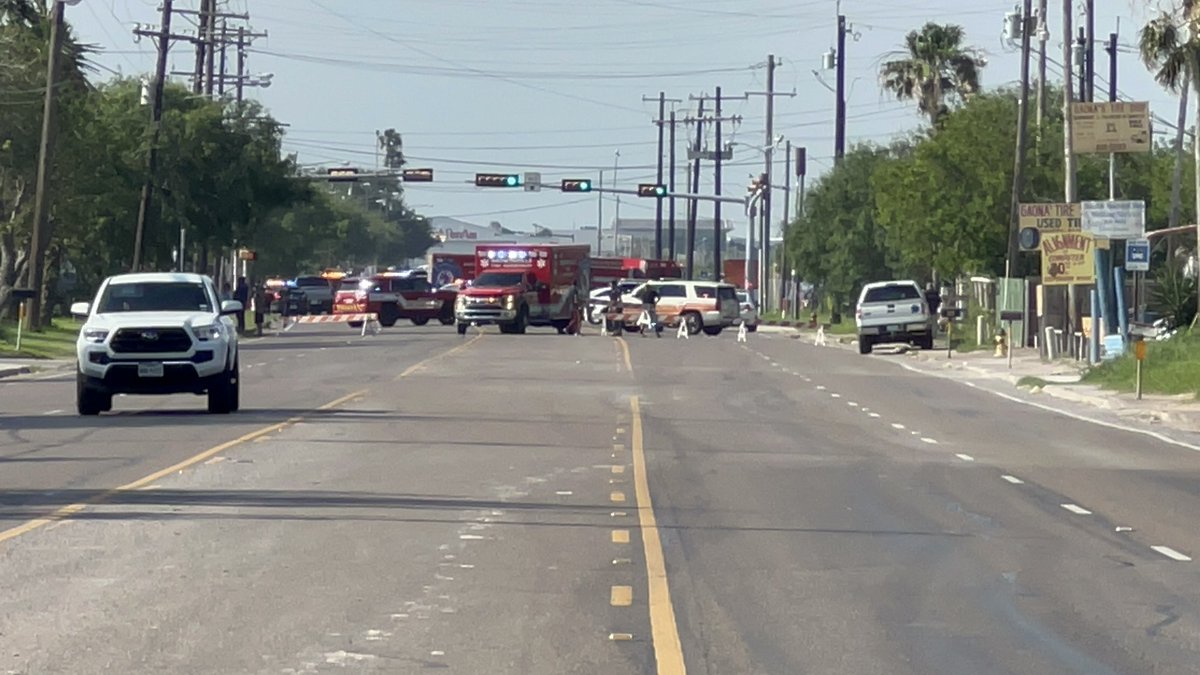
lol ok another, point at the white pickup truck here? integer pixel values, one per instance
(893, 312)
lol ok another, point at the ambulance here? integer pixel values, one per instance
(519, 286)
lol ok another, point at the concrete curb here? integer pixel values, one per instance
(13, 371)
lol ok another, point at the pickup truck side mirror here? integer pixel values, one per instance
(80, 309)
(231, 307)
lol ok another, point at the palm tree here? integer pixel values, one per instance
(934, 67)
(1170, 46)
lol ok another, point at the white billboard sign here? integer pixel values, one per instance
(1114, 219)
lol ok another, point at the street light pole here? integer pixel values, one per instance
(616, 228)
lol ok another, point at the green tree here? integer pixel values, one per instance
(933, 67)
(837, 244)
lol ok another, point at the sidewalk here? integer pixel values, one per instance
(14, 367)
(1058, 379)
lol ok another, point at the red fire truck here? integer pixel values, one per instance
(398, 295)
(518, 286)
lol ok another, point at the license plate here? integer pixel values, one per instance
(893, 329)
(150, 370)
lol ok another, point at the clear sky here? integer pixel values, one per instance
(558, 87)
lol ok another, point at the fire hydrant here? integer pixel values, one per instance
(1001, 341)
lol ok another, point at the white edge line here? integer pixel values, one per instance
(1171, 553)
(1013, 479)
(1066, 413)
(1078, 510)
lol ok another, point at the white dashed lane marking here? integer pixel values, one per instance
(873, 414)
(1076, 509)
(926, 439)
(965, 458)
(1171, 553)
(1013, 479)
(897, 425)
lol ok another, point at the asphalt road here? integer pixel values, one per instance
(420, 501)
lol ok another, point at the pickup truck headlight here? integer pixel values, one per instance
(207, 332)
(95, 335)
(510, 301)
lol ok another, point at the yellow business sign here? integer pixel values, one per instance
(1101, 128)
(1068, 253)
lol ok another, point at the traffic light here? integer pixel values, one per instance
(576, 185)
(508, 180)
(417, 175)
(651, 190)
(342, 174)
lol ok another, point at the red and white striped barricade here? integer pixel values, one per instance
(369, 321)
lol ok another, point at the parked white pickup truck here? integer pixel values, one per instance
(893, 312)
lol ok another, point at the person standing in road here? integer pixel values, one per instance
(262, 307)
(241, 293)
(650, 309)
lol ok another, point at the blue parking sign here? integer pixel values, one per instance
(1137, 255)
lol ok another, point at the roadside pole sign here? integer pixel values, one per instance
(1137, 255)
(1114, 219)
(1068, 253)
(1103, 128)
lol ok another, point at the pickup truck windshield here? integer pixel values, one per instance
(499, 279)
(892, 294)
(165, 296)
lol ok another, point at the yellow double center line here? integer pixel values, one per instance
(668, 652)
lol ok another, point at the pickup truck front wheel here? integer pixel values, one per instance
(224, 396)
(88, 401)
(864, 344)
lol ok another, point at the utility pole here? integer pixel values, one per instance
(1081, 53)
(1043, 38)
(40, 236)
(718, 231)
(241, 63)
(600, 214)
(801, 170)
(658, 211)
(671, 191)
(210, 38)
(784, 277)
(1018, 183)
(221, 67)
(201, 48)
(839, 137)
(160, 70)
(765, 278)
(693, 206)
(1069, 190)
(1090, 52)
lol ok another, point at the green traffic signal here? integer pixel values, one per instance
(497, 180)
(576, 185)
(651, 190)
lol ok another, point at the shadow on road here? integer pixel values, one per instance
(188, 417)
(314, 505)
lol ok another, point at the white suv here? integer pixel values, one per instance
(157, 334)
(708, 306)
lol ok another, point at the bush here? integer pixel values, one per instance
(1174, 294)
